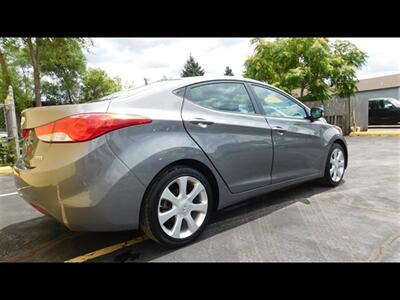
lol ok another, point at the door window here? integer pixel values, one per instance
(374, 104)
(380, 104)
(232, 97)
(277, 105)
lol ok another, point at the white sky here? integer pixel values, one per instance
(133, 59)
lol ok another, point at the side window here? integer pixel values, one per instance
(372, 105)
(277, 105)
(387, 104)
(232, 97)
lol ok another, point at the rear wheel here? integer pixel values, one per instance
(177, 206)
(335, 166)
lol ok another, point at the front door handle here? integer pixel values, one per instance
(201, 122)
(279, 130)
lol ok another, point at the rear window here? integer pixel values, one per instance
(135, 90)
(232, 97)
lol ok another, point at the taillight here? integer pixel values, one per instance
(84, 127)
(25, 133)
(42, 210)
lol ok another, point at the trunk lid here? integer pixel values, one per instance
(33, 150)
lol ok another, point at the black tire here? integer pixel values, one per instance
(149, 214)
(327, 180)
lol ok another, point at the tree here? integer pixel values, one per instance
(346, 59)
(228, 71)
(314, 66)
(64, 63)
(14, 73)
(46, 52)
(6, 81)
(33, 48)
(97, 84)
(192, 68)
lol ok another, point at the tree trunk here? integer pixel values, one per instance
(69, 97)
(301, 92)
(4, 93)
(34, 54)
(348, 117)
(6, 76)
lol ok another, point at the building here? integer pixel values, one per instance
(384, 86)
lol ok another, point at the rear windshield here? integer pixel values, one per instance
(134, 91)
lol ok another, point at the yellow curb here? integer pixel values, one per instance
(107, 250)
(6, 170)
(381, 133)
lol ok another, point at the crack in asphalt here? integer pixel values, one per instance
(378, 254)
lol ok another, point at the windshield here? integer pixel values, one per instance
(395, 102)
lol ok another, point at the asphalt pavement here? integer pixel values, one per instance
(357, 221)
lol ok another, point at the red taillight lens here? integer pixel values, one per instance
(25, 133)
(39, 209)
(84, 127)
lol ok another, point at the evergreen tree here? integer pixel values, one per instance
(228, 71)
(192, 68)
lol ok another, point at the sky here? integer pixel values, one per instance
(133, 59)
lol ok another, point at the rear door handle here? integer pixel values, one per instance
(201, 122)
(278, 129)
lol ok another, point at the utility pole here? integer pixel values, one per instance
(11, 119)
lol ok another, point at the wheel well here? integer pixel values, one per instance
(341, 143)
(199, 166)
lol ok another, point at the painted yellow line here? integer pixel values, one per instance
(9, 194)
(107, 250)
(380, 133)
(6, 170)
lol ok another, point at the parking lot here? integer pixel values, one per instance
(356, 221)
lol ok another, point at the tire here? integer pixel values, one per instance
(159, 205)
(330, 180)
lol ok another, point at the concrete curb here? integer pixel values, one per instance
(382, 133)
(6, 170)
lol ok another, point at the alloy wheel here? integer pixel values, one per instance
(336, 167)
(182, 207)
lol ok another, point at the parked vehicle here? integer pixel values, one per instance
(3, 136)
(165, 156)
(383, 111)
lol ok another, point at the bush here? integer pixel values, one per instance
(8, 154)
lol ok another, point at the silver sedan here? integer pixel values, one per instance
(163, 157)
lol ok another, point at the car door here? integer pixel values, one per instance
(373, 110)
(297, 141)
(222, 119)
(389, 112)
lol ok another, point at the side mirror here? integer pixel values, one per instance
(316, 113)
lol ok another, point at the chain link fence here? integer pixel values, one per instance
(9, 136)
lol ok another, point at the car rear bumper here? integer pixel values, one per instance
(84, 186)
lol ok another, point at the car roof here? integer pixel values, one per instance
(182, 82)
(170, 85)
(382, 98)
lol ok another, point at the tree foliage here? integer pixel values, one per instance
(64, 64)
(314, 66)
(192, 68)
(14, 73)
(53, 68)
(228, 71)
(97, 84)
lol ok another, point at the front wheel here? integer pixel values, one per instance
(335, 166)
(177, 206)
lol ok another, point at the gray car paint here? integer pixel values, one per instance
(99, 185)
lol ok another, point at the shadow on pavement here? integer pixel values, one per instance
(46, 240)
(223, 220)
